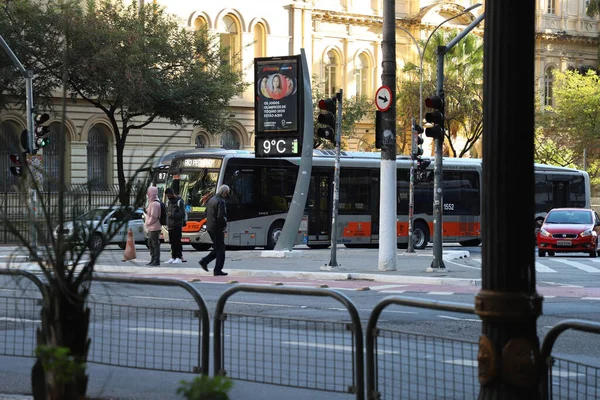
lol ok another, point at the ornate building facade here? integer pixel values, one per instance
(342, 41)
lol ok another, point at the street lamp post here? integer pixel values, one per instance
(411, 196)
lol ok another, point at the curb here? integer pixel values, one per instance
(333, 274)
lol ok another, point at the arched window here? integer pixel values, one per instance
(260, 41)
(200, 142)
(549, 86)
(52, 160)
(200, 24)
(332, 71)
(231, 40)
(97, 158)
(362, 74)
(230, 140)
(9, 138)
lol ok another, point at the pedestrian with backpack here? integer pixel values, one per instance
(153, 225)
(176, 219)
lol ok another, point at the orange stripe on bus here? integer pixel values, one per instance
(448, 229)
(193, 226)
(357, 229)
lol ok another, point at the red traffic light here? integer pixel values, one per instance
(435, 102)
(327, 104)
(16, 159)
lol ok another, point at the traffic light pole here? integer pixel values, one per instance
(438, 262)
(28, 75)
(411, 191)
(336, 183)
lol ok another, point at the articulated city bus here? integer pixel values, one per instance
(262, 189)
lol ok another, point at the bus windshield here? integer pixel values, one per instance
(196, 187)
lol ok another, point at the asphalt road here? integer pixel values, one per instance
(288, 339)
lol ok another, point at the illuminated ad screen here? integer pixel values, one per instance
(276, 94)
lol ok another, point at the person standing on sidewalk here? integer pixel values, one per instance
(153, 226)
(216, 223)
(175, 218)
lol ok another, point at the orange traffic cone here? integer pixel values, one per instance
(129, 247)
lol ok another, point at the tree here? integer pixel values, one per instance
(134, 63)
(572, 123)
(354, 109)
(463, 88)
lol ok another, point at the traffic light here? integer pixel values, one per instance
(18, 167)
(327, 118)
(417, 144)
(41, 131)
(434, 127)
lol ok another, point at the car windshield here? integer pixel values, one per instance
(94, 215)
(569, 217)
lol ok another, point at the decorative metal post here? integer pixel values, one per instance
(508, 303)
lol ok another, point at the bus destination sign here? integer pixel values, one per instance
(277, 106)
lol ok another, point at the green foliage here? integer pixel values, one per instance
(354, 110)
(572, 123)
(206, 388)
(463, 87)
(59, 362)
(134, 63)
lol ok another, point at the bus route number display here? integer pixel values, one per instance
(277, 106)
(277, 147)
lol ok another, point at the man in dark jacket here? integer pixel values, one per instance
(216, 223)
(175, 216)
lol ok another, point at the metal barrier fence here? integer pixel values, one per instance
(413, 366)
(162, 339)
(574, 380)
(18, 338)
(78, 199)
(275, 350)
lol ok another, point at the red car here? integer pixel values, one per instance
(569, 230)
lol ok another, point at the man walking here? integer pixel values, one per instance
(175, 218)
(216, 222)
(153, 225)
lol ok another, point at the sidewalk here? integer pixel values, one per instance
(301, 263)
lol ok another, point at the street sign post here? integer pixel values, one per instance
(383, 98)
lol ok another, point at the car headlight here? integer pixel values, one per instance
(586, 233)
(545, 233)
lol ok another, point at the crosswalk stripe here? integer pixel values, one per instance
(581, 266)
(539, 267)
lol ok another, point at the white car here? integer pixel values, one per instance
(95, 227)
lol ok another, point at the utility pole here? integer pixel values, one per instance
(28, 75)
(508, 303)
(388, 216)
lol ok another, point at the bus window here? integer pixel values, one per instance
(461, 192)
(354, 191)
(197, 187)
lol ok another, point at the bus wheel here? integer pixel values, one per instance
(469, 243)
(122, 246)
(200, 246)
(420, 236)
(274, 233)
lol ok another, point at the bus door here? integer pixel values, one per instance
(319, 207)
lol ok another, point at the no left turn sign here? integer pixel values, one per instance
(383, 98)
